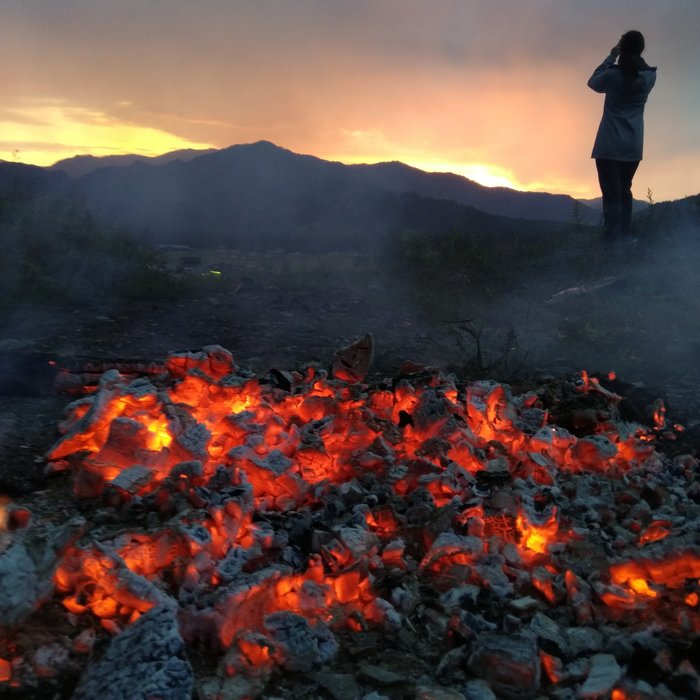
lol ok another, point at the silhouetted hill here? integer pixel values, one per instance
(19, 181)
(260, 196)
(665, 219)
(597, 204)
(537, 206)
(82, 165)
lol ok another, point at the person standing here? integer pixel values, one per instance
(619, 142)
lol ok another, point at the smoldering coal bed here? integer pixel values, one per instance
(235, 536)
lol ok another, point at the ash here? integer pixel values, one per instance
(420, 537)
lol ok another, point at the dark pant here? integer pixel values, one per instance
(615, 178)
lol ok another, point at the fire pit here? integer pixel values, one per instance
(235, 536)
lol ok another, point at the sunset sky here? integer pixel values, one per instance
(491, 89)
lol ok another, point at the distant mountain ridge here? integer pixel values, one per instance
(597, 204)
(391, 176)
(261, 196)
(78, 166)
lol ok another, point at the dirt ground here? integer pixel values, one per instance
(285, 312)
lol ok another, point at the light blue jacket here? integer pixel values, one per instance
(621, 131)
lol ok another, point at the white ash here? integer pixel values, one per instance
(27, 567)
(133, 479)
(510, 664)
(298, 644)
(604, 674)
(146, 660)
(193, 440)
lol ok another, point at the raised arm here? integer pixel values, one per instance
(599, 80)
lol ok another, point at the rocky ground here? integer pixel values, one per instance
(288, 311)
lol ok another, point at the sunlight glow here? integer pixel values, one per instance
(45, 131)
(483, 173)
(42, 131)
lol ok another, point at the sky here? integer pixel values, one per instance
(491, 89)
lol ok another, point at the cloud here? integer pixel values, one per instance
(497, 82)
(44, 132)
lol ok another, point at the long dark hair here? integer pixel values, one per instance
(631, 47)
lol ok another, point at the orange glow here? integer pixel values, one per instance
(5, 671)
(4, 516)
(546, 588)
(256, 654)
(671, 572)
(486, 174)
(657, 530)
(228, 414)
(644, 580)
(159, 436)
(383, 522)
(641, 587)
(553, 667)
(659, 414)
(501, 526)
(268, 449)
(619, 694)
(63, 125)
(537, 537)
(346, 594)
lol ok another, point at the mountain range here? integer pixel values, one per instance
(261, 196)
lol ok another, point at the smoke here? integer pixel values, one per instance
(630, 309)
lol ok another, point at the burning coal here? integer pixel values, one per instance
(272, 523)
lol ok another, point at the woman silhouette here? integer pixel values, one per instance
(619, 143)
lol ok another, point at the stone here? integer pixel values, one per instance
(146, 660)
(378, 675)
(50, 660)
(425, 692)
(478, 690)
(340, 686)
(523, 605)
(583, 640)
(299, 646)
(548, 633)
(351, 363)
(133, 479)
(224, 687)
(27, 567)
(592, 452)
(509, 664)
(604, 674)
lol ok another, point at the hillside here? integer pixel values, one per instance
(18, 181)
(536, 206)
(261, 197)
(82, 165)
(392, 177)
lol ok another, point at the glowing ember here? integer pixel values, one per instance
(672, 571)
(266, 513)
(4, 501)
(657, 530)
(537, 537)
(5, 671)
